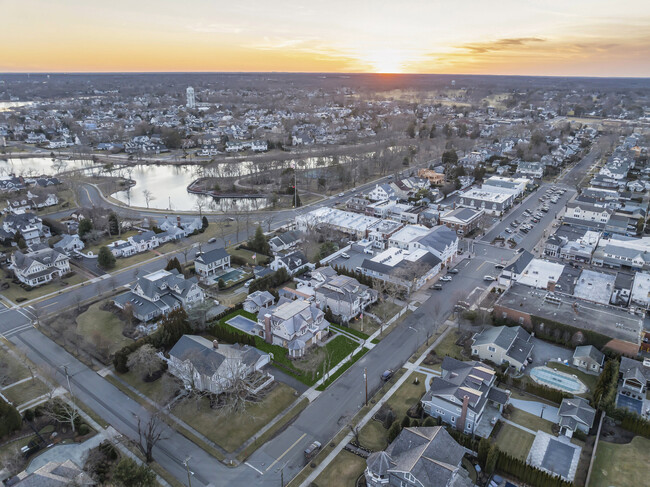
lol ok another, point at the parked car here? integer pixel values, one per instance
(312, 450)
(388, 373)
(345, 256)
(453, 271)
(367, 251)
(489, 278)
(212, 240)
(437, 286)
(499, 266)
(445, 278)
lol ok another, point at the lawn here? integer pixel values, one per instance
(373, 434)
(95, 321)
(621, 465)
(15, 292)
(124, 262)
(25, 391)
(156, 390)
(344, 471)
(514, 441)
(365, 325)
(587, 379)
(531, 421)
(11, 370)
(247, 255)
(448, 348)
(231, 430)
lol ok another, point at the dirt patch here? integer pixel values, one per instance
(612, 433)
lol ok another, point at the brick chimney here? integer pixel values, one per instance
(178, 221)
(267, 329)
(463, 415)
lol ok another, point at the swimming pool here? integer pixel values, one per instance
(557, 380)
(232, 275)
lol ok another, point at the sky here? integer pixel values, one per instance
(543, 37)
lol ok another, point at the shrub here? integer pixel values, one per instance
(84, 429)
(393, 431)
(10, 419)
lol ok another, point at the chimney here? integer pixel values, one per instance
(178, 221)
(267, 328)
(463, 415)
(215, 344)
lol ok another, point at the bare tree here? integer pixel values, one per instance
(150, 432)
(12, 460)
(62, 412)
(200, 205)
(148, 196)
(144, 360)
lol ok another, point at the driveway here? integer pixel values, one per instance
(544, 352)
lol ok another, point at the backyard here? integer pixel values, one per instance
(514, 441)
(621, 465)
(231, 430)
(531, 421)
(589, 380)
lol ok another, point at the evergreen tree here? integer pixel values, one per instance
(491, 461)
(85, 226)
(259, 243)
(393, 431)
(10, 419)
(406, 422)
(105, 258)
(113, 224)
(174, 263)
(204, 223)
(128, 473)
(483, 449)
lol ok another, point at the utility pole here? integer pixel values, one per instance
(365, 378)
(187, 467)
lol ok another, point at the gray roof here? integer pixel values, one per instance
(514, 339)
(438, 238)
(55, 474)
(211, 256)
(45, 256)
(633, 368)
(419, 267)
(518, 266)
(591, 352)
(379, 462)
(576, 410)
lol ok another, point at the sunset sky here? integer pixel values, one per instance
(573, 38)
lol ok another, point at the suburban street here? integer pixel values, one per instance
(327, 414)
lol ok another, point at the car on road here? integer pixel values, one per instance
(345, 256)
(212, 240)
(341, 195)
(445, 278)
(489, 278)
(437, 287)
(312, 450)
(508, 230)
(452, 271)
(499, 266)
(388, 373)
(230, 219)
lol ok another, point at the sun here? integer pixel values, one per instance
(386, 62)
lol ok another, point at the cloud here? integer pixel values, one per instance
(500, 44)
(216, 28)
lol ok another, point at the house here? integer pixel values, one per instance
(144, 241)
(53, 474)
(344, 296)
(159, 293)
(503, 344)
(40, 266)
(532, 169)
(410, 270)
(208, 263)
(284, 241)
(463, 220)
(462, 394)
(513, 271)
(294, 325)
(69, 244)
(635, 375)
(382, 192)
(258, 300)
(583, 213)
(434, 177)
(31, 201)
(293, 262)
(211, 366)
(575, 415)
(122, 248)
(492, 202)
(421, 456)
(589, 358)
(29, 226)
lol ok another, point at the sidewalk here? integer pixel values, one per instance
(409, 370)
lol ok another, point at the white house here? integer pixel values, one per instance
(39, 267)
(208, 263)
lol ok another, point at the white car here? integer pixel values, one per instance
(341, 195)
(489, 278)
(445, 278)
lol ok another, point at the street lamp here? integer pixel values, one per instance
(189, 473)
(416, 338)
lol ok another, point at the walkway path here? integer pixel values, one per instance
(516, 425)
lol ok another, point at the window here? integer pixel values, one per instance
(492, 349)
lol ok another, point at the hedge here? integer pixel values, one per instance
(527, 473)
(563, 334)
(527, 385)
(10, 419)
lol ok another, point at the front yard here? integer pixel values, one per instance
(621, 465)
(344, 470)
(97, 325)
(17, 294)
(25, 391)
(373, 435)
(231, 430)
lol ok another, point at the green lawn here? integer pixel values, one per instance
(587, 379)
(531, 421)
(248, 256)
(25, 392)
(97, 322)
(621, 465)
(514, 441)
(373, 434)
(230, 431)
(343, 471)
(11, 370)
(14, 291)
(155, 390)
(448, 348)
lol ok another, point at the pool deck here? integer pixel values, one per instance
(562, 376)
